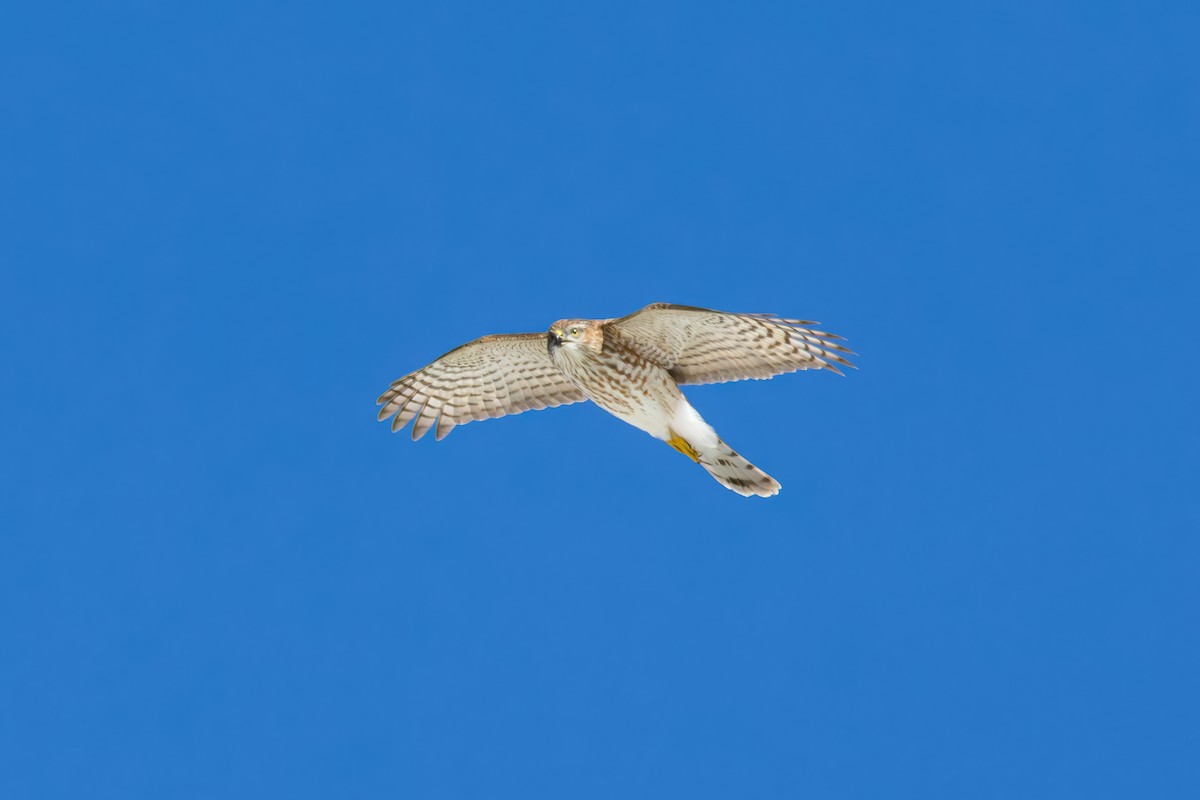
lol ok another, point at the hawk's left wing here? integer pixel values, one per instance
(699, 345)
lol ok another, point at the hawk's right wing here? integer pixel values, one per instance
(489, 377)
(699, 345)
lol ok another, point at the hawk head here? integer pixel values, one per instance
(575, 335)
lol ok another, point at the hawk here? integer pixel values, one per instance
(632, 367)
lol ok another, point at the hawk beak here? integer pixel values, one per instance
(553, 340)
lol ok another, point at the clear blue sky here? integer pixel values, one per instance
(227, 226)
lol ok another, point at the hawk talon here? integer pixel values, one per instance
(682, 445)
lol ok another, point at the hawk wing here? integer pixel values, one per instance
(489, 377)
(699, 345)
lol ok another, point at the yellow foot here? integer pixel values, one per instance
(681, 444)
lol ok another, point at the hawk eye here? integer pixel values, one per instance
(574, 331)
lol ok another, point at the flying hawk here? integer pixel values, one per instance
(632, 367)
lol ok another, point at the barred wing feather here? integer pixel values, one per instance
(489, 377)
(699, 345)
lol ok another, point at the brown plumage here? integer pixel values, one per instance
(630, 366)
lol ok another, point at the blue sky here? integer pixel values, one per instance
(228, 226)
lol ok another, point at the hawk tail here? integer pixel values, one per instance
(695, 438)
(736, 473)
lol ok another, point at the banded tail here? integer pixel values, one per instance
(736, 473)
(703, 446)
